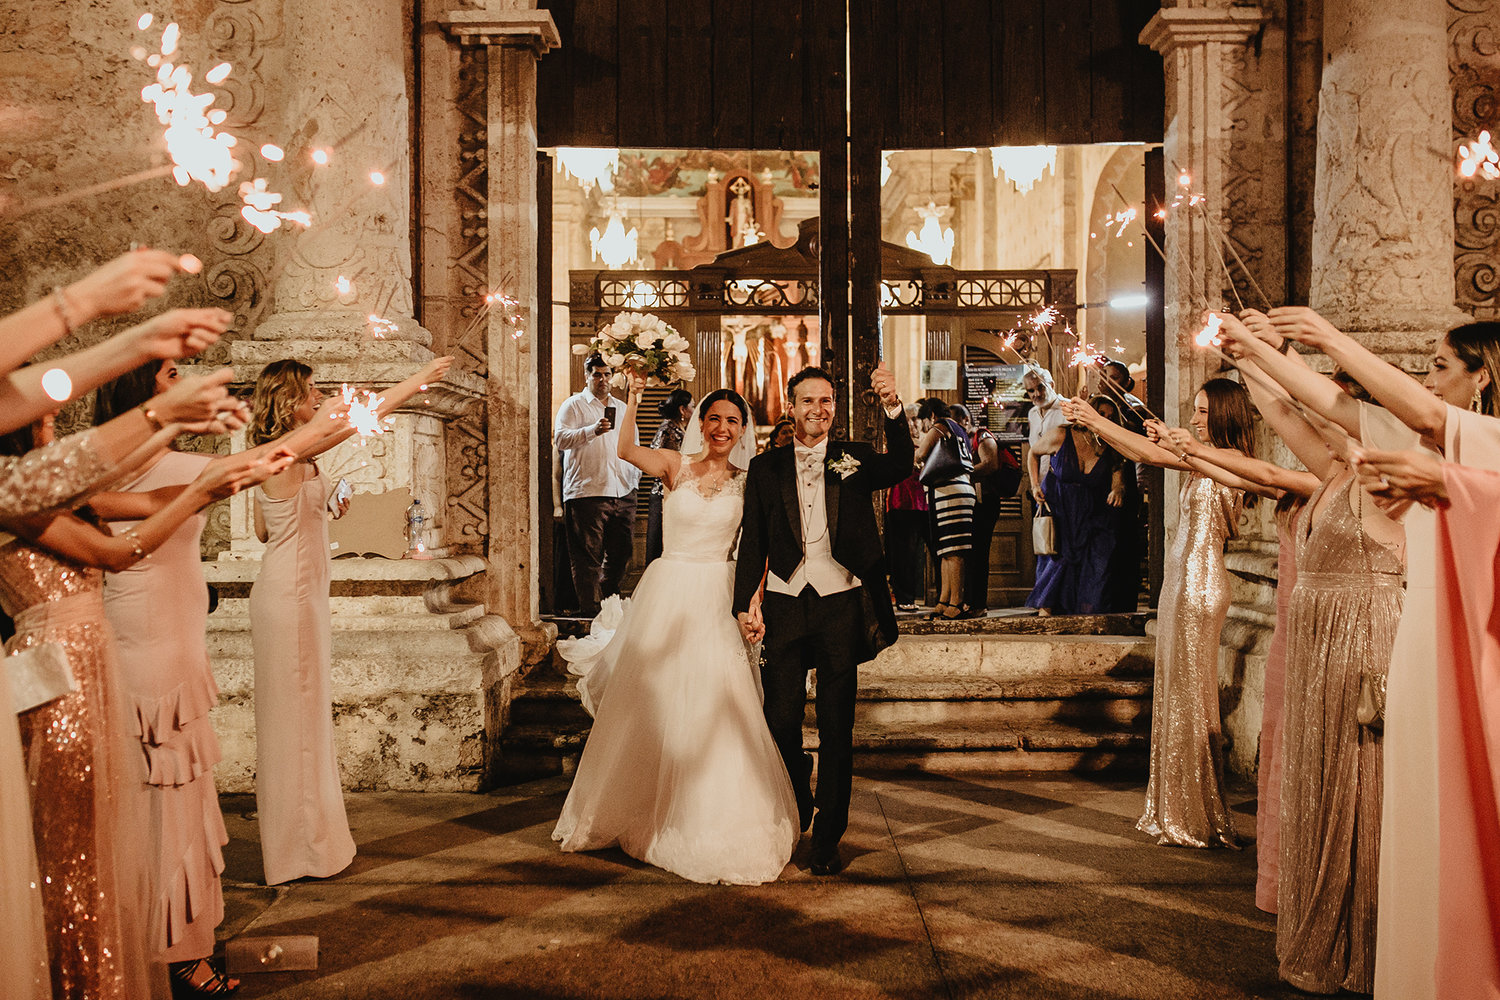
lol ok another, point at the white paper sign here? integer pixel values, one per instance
(940, 374)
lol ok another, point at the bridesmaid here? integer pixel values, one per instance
(299, 796)
(87, 787)
(1185, 802)
(169, 685)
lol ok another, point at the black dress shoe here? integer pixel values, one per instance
(830, 864)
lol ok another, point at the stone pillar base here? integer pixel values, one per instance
(415, 677)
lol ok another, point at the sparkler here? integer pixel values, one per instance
(1478, 156)
(380, 327)
(364, 413)
(1184, 179)
(343, 285)
(198, 150)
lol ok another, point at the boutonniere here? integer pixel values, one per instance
(845, 465)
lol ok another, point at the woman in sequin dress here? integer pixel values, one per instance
(1185, 802)
(87, 778)
(1341, 622)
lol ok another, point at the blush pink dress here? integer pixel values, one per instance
(303, 827)
(159, 610)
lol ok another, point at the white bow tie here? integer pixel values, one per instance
(809, 462)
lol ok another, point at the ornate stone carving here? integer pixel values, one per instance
(1474, 64)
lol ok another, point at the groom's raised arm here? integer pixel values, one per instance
(895, 463)
(751, 567)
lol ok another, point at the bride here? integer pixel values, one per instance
(679, 769)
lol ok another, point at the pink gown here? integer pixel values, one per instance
(1468, 753)
(159, 608)
(303, 827)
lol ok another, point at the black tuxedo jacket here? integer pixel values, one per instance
(771, 528)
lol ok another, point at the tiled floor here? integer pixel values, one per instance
(1015, 886)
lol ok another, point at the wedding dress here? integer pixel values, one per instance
(680, 770)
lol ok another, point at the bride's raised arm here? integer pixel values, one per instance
(652, 461)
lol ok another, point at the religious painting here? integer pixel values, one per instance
(688, 173)
(759, 353)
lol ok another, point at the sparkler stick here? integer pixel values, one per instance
(1144, 231)
(15, 209)
(1221, 237)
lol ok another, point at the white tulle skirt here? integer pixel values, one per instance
(679, 770)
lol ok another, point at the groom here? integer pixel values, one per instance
(809, 533)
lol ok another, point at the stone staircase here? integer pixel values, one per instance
(1001, 694)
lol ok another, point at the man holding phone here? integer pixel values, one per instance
(598, 488)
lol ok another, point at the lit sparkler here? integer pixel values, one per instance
(1479, 157)
(1044, 319)
(1209, 335)
(364, 412)
(260, 207)
(380, 327)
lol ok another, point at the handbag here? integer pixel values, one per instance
(949, 459)
(1043, 534)
(38, 675)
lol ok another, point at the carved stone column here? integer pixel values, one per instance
(1382, 264)
(1195, 43)
(514, 35)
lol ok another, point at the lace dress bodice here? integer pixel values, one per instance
(702, 524)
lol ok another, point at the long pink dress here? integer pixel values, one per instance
(303, 827)
(1406, 940)
(1468, 708)
(159, 609)
(1268, 772)
(87, 783)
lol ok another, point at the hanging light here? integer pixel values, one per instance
(590, 167)
(614, 246)
(1023, 166)
(934, 240)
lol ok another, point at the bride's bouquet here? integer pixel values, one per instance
(644, 343)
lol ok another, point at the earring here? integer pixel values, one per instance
(1476, 402)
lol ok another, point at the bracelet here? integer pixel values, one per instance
(60, 303)
(151, 417)
(136, 549)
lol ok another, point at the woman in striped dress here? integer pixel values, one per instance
(952, 506)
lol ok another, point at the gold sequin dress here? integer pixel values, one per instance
(86, 791)
(1185, 792)
(1342, 622)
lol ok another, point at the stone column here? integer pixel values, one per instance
(1382, 242)
(515, 35)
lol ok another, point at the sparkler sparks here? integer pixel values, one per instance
(377, 178)
(145, 21)
(1209, 335)
(364, 413)
(218, 74)
(57, 385)
(343, 285)
(273, 153)
(1479, 157)
(380, 327)
(320, 157)
(1045, 318)
(199, 152)
(260, 211)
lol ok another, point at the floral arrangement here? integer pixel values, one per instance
(645, 343)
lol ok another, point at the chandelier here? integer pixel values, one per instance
(1023, 166)
(590, 167)
(614, 246)
(934, 240)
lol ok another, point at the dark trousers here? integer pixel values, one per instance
(803, 633)
(906, 551)
(601, 534)
(653, 527)
(977, 562)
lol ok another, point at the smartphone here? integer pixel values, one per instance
(342, 492)
(609, 414)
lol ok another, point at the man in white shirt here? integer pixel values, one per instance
(598, 488)
(808, 535)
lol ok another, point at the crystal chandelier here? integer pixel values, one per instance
(1023, 165)
(590, 167)
(934, 240)
(614, 246)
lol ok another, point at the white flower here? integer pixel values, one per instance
(648, 340)
(685, 372)
(614, 360)
(618, 380)
(845, 465)
(674, 342)
(582, 348)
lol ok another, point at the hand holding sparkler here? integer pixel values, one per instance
(179, 333)
(1260, 324)
(124, 284)
(200, 401)
(1078, 411)
(884, 383)
(1181, 440)
(1305, 326)
(1397, 476)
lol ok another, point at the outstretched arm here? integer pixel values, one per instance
(653, 462)
(1136, 447)
(1406, 398)
(1319, 392)
(1235, 469)
(393, 399)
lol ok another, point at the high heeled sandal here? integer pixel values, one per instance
(937, 612)
(216, 985)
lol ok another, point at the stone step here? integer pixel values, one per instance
(1013, 657)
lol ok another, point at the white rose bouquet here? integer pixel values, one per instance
(644, 343)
